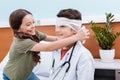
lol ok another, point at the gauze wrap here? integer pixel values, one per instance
(74, 24)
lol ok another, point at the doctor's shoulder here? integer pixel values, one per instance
(84, 51)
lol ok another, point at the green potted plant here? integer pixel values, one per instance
(105, 37)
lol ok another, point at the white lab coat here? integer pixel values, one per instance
(81, 65)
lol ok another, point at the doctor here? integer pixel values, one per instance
(73, 62)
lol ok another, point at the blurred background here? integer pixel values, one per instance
(47, 9)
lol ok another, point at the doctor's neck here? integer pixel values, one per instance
(67, 47)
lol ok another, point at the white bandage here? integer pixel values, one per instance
(74, 24)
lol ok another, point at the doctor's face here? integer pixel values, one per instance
(64, 31)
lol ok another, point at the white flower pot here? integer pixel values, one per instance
(107, 55)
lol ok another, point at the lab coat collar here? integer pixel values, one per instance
(59, 62)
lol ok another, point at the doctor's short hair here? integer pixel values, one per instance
(70, 14)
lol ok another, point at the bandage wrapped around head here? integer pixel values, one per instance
(74, 24)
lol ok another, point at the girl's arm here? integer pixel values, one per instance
(54, 38)
(80, 35)
(50, 38)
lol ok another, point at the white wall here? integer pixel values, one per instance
(47, 9)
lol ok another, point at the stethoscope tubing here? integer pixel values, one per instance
(66, 62)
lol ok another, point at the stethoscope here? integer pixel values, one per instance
(65, 63)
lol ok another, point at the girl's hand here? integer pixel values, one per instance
(83, 33)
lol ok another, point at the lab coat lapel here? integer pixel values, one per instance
(58, 61)
(74, 60)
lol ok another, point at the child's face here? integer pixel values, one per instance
(64, 31)
(28, 25)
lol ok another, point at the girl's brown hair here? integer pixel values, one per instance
(16, 17)
(15, 21)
